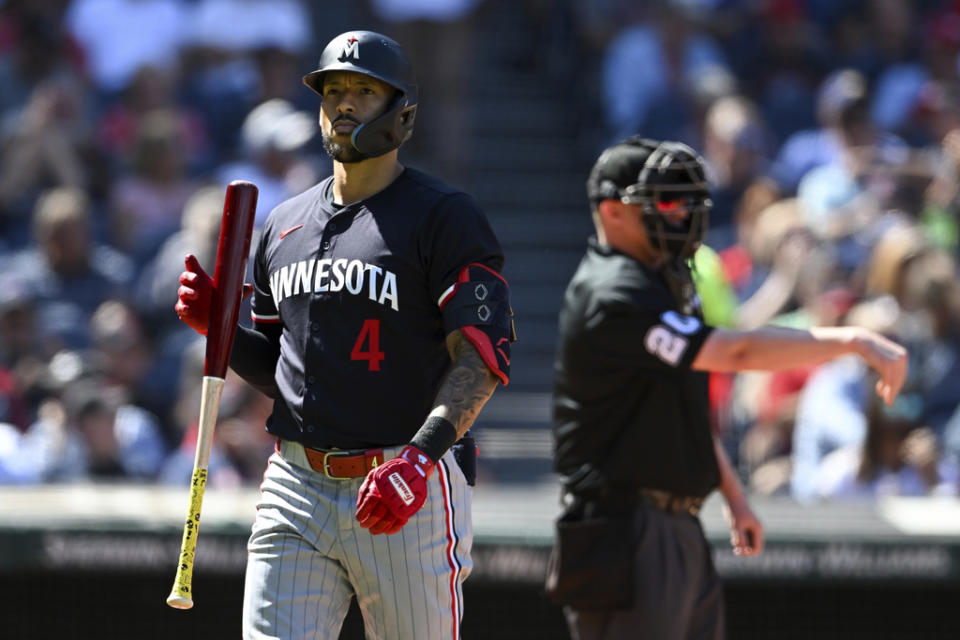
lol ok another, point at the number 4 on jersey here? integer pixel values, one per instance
(369, 333)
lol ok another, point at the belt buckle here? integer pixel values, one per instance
(326, 466)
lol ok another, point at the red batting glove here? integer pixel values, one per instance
(394, 491)
(195, 295)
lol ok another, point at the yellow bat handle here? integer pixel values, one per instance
(181, 595)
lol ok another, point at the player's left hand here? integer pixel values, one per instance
(394, 491)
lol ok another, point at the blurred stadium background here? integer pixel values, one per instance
(832, 134)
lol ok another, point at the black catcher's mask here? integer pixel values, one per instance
(673, 175)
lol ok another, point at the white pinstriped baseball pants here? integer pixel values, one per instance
(308, 556)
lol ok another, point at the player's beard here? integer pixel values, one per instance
(344, 154)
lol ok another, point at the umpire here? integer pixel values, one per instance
(634, 445)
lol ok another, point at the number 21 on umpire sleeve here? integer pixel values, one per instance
(369, 333)
(664, 344)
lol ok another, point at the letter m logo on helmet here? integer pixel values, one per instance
(351, 49)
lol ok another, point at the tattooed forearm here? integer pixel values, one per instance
(466, 387)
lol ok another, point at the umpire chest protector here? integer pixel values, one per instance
(629, 412)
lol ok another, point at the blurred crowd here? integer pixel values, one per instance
(121, 123)
(831, 131)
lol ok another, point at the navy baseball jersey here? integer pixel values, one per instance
(357, 291)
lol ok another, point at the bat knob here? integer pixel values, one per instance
(178, 601)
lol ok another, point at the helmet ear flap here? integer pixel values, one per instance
(387, 131)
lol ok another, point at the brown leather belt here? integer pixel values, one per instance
(343, 464)
(670, 502)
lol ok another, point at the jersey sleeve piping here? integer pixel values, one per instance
(265, 319)
(442, 300)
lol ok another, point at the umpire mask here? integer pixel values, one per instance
(672, 176)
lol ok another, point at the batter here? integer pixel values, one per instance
(381, 327)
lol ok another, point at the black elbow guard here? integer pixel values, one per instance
(479, 305)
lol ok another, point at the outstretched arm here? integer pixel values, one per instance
(775, 348)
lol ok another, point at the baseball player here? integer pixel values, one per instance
(381, 327)
(634, 446)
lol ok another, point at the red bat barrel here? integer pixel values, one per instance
(236, 229)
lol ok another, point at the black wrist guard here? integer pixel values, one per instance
(435, 437)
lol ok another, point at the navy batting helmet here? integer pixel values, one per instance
(379, 57)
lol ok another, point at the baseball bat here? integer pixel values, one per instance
(233, 247)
